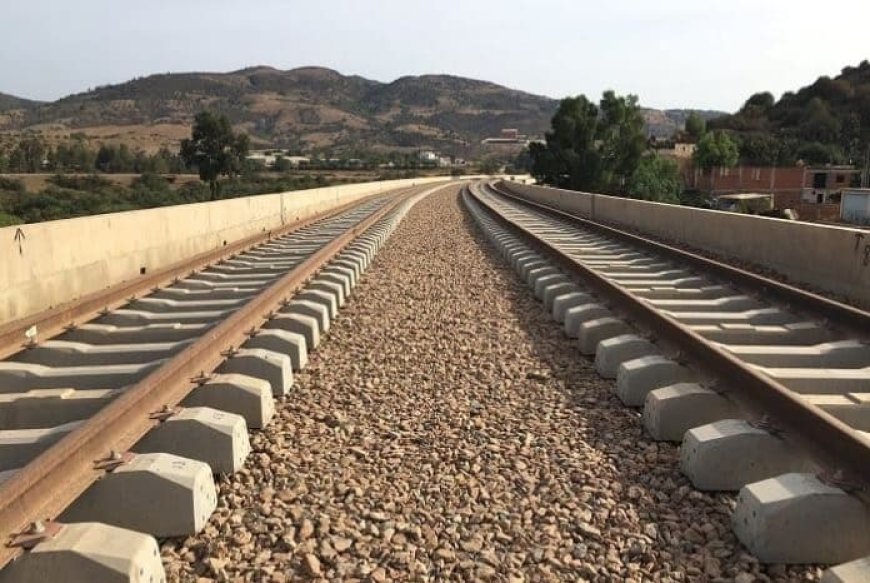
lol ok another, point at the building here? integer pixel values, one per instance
(813, 191)
(817, 184)
(268, 158)
(507, 137)
(684, 150)
(771, 179)
(429, 156)
(297, 161)
(825, 184)
(670, 149)
(855, 206)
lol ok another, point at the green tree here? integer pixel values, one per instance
(758, 105)
(695, 126)
(74, 156)
(7, 220)
(622, 138)
(214, 149)
(716, 149)
(657, 179)
(819, 153)
(591, 147)
(27, 156)
(105, 156)
(818, 123)
(282, 164)
(760, 149)
(827, 121)
(490, 166)
(523, 161)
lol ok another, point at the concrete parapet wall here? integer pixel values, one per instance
(571, 201)
(831, 258)
(45, 264)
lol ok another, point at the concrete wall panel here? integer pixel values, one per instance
(830, 258)
(45, 264)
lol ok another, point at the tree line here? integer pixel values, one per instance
(600, 147)
(33, 154)
(68, 196)
(214, 150)
(603, 148)
(827, 122)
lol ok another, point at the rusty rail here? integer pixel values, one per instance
(831, 442)
(847, 317)
(46, 486)
(55, 321)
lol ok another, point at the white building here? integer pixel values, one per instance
(429, 156)
(855, 206)
(297, 161)
(269, 157)
(266, 159)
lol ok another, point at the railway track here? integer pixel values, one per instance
(767, 386)
(112, 427)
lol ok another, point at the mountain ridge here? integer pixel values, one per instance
(306, 108)
(8, 101)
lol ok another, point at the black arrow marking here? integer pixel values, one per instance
(19, 238)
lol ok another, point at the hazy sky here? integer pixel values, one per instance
(672, 53)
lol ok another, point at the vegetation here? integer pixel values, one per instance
(657, 179)
(716, 149)
(490, 166)
(214, 149)
(32, 154)
(11, 102)
(827, 122)
(591, 147)
(696, 126)
(9, 187)
(603, 149)
(76, 196)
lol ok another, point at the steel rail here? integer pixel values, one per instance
(851, 318)
(831, 442)
(57, 320)
(53, 480)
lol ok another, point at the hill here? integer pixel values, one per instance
(665, 122)
(309, 109)
(825, 122)
(10, 102)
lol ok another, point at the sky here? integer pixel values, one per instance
(702, 54)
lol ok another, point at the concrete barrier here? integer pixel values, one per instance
(45, 264)
(830, 258)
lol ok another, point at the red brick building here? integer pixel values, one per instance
(813, 191)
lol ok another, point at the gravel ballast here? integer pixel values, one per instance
(447, 430)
